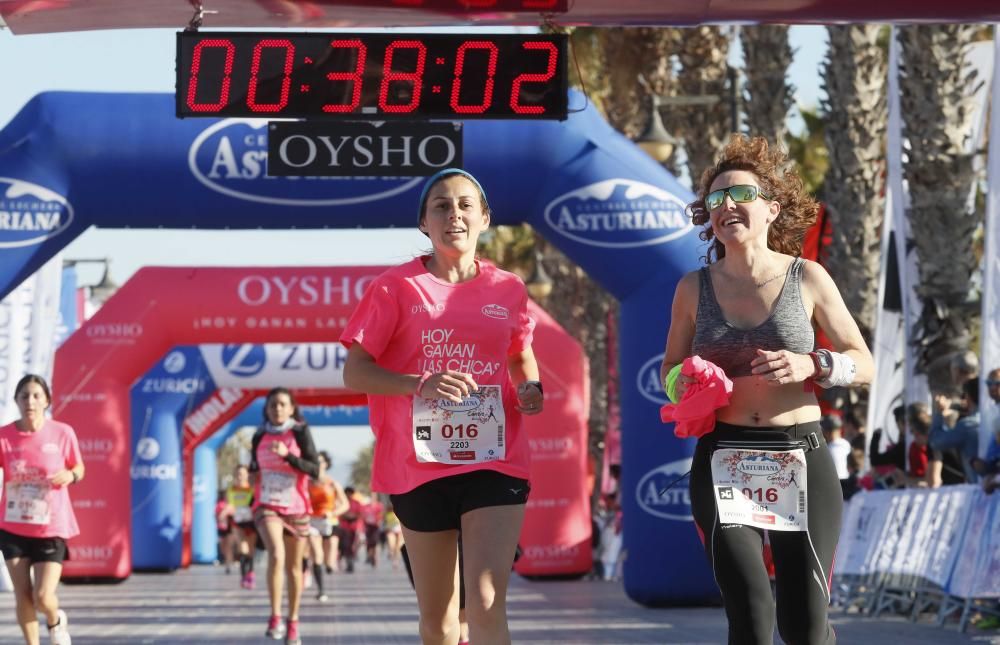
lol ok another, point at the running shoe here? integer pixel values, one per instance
(275, 628)
(251, 580)
(322, 597)
(292, 637)
(59, 634)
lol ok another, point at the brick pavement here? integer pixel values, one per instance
(204, 605)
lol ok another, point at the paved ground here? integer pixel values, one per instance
(204, 605)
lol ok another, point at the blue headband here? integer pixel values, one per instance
(438, 176)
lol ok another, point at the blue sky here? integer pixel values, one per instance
(143, 61)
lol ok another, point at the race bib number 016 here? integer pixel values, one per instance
(469, 432)
(28, 503)
(761, 488)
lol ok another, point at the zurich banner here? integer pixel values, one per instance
(160, 401)
(69, 161)
(294, 365)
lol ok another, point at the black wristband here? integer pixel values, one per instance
(75, 477)
(537, 384)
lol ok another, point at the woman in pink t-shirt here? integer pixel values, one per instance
(40, 458)
(438, 343)
(283, 458)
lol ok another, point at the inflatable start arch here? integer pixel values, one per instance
(72, 160)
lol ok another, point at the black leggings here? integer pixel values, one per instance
(803, 560)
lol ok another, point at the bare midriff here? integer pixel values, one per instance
(755, 403)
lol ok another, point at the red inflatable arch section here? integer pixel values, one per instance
(159, 308)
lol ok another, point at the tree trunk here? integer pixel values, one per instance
(936, 85)
(766, 56)
(704, 129)
(856, 120)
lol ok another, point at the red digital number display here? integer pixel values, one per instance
(366, 75)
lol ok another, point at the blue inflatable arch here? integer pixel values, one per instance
(69, 161)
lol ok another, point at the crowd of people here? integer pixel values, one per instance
(930, 445)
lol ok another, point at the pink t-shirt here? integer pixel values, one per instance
(280, 487)
(371, 513)
(412, 322)
(30, 505)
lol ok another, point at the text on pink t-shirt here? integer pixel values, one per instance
(31, 506)
(412, 322)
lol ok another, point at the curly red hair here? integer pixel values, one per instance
(778, 180)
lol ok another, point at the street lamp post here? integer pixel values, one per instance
(656, 141)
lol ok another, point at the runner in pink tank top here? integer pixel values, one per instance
(40, 458)
(442, 347)
(283, 458)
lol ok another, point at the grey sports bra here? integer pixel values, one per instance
(732, 348)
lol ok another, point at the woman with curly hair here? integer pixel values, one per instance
(752, 311)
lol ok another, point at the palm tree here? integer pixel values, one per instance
(936, 85)
(856, 115)
(808, 151)
(702, 53)
(769, 96)
(583, 308)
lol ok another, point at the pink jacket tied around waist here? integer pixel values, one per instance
(694, 414)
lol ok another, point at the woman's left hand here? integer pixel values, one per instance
(62, 478)
(279, 448)
(529, 399)
(782, 367)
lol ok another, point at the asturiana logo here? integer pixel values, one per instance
(648, 381)
(230, 157)
(618, 213)
(758, 465)
(30, 214)
(661, 492)
(470, 402)
(496, 311)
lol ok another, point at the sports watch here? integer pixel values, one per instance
(821, 363)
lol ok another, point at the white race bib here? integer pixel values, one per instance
(469, 432)
(27, 502)
(761, 488)
(277, 488)
(242, 514)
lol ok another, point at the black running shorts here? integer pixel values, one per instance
(439, 504)
(49, 549)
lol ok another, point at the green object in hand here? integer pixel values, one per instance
(670, 383)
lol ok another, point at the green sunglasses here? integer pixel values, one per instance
(741, 194)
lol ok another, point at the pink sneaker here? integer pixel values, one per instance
(251, 581)
(292, 634)
(275, 628)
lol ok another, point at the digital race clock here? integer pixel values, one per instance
(369, 75)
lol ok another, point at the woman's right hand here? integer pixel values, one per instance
(683, 382)
(449, 385)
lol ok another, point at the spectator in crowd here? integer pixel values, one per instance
(993, 385)
(964, 366)
(887, 462)
(989, 468)
(854, 427)
(919, 472)
(963, 434)
(839, 447)
(851, 485)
